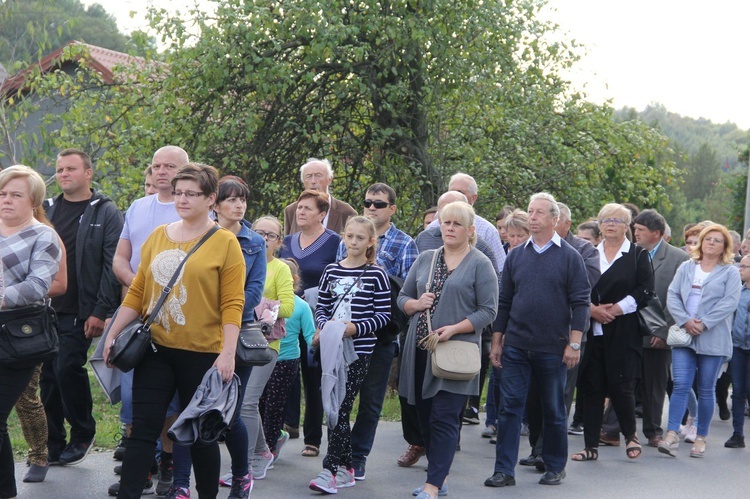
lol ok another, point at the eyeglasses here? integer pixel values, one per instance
(742, 266)
(271, 236)
(187, 194)
(377, 203)
(611, 221)
(713, 240)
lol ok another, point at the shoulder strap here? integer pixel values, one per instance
(341, 298)
(168, 287)
(429, 285)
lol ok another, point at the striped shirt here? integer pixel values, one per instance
(367, 304)
(396, 252)
(30, 259)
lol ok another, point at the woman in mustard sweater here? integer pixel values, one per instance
(196, 328)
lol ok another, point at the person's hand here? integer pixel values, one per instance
(496, 350)
(225, 365)
(601, 314)
(93, 327)
(446, 332)
(615, 310)
(571, 357)
(657, 342)
(350, 330)
(107, 347)
(316, 338)
(425, 301)
(694, 327)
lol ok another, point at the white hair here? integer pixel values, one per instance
(473, 189)
(667, 230)
(553, 209)
(564, 211)
(310, 161)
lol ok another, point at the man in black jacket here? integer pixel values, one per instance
(89, 226)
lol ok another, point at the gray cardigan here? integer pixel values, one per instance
(719, 297)
(470, 292)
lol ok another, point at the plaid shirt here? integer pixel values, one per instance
(30, 259)
(397, 251)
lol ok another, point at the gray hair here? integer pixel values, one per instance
(324, 162)
(473, 189)
(564, 211)
(553, 209)
(667, 230)
(449, 197)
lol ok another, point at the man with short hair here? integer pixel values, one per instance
(148, 182)
(396, 254)
(143, 216)
(317, 174)
(88, 224)
(540, 341)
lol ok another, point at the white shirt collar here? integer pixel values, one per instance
(555, 240)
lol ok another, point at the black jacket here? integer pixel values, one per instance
(96, 242)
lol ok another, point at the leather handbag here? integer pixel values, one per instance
(453, 359)
(678, 337)
(28, 335)
(651, 318)
(130, 346)
(252, 346)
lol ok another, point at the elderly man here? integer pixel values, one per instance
(317, 174)
(539, 341)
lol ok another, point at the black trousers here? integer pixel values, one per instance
(311, 376)
(155, 381)
(13, 382)
(65, 388)
(594, 386)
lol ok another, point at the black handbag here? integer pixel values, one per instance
(130, 346)
(252, 346)
(28, 335)
(652, 320)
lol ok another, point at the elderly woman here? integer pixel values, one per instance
(313, 247)
(29, 259)
(702, 299)
(195, 330)
(461, 301)
(611, 362)
(517, 228)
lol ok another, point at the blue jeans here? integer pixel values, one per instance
(684, 364)
(371, 395)
(739, 367)
(515, 377)
(493, 397)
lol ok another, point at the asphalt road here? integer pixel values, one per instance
(722, 473)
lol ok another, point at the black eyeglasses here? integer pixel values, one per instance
(271, 236)
(377, 203)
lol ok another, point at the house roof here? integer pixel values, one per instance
(102, 60)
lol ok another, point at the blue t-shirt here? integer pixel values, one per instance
(302, 322)
(143, 216)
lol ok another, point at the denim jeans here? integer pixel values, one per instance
(371, 395)
(493, 397)
(739, 367)
(515, 377)
(684, 364)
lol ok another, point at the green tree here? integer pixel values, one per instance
(701, 173)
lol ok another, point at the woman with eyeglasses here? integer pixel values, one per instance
(230, 209)
(702, 299)
(612, 359)
(313, 248)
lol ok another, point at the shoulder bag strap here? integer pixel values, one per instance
(349, 289)
(429, 285)
(168, 287)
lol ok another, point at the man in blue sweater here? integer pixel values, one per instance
(542, 312)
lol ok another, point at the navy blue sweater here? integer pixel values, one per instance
(542, 297)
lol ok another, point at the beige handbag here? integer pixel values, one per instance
(453, 359)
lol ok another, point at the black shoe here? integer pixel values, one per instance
(724, 413)
(530, 461)
(470, 416)
(76, 453)
(736, 441)
(552, 478)
(539, 465)
(118, 469)
(575, 429)
(148, 488)
(500, 479)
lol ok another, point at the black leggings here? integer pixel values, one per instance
(12, 384)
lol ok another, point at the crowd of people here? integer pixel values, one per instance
(555, 316)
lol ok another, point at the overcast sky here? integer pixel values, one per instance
(685, 54)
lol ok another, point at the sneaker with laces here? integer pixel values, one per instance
(691, 434)
(324, 482)
(241, 487)
(359, 471)
(575, 429)
(226, 480)
(148, 488)
(75, 453)
(166, 475)
(489, 431)
(260, 464)
(470, 415)
(178, 493)
(283, 438)
(345, 478)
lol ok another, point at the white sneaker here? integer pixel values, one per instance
(324, 482)
(260, 464)
(686, 427)
(691, 434)
(345, 478)
(226, 480)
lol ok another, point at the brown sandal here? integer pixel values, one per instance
(633, 447)
(311, 451)
(587, 454)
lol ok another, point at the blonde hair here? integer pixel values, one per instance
(727, 255)
(371, 252)
(37, 189)
(610, 209)
(462, 213)
(517, 220)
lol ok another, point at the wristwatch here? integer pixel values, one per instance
(575, 346)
